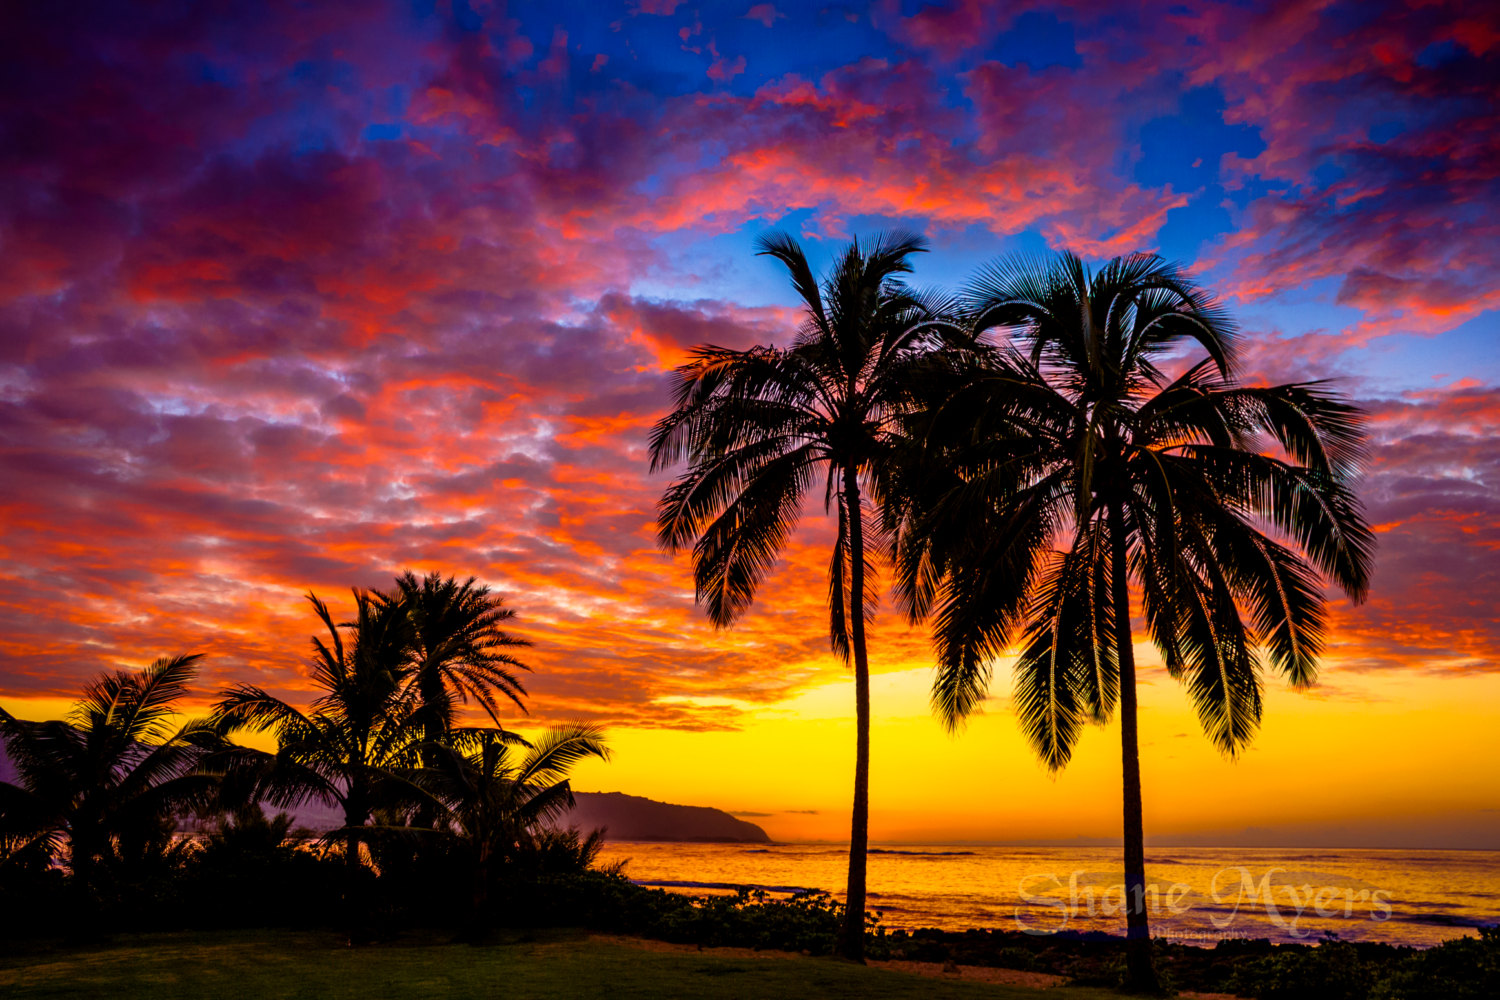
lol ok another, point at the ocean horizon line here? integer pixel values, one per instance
(1091, 843)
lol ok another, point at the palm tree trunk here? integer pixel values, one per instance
(1140, 968)
(354, 817)
(84, 851)
(481, 896)
(853, 944)
(434, 728)
(430, 689)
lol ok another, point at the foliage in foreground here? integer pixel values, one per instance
(1462, 969)
(809, 922)
(247, 874)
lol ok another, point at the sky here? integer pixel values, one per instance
(297, 296)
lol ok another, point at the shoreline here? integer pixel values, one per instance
(1196, 896)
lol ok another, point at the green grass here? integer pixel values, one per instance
(318, 967)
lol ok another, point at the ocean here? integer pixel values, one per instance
(1195, 895)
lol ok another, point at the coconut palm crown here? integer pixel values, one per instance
(1090, 451)
(461, 649)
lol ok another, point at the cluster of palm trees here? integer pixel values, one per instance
(1030, 460)
(1027, 458)
(380, 743)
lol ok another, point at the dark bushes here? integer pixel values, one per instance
(1461, 969)
(606, 901)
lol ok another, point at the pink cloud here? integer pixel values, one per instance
(725, 69)
(249, 349)
(661, 8)
(765, 13)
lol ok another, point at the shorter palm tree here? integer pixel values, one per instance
(104, 781)
(356, 748)
(460, 649)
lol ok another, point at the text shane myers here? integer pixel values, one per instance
(1280, 897)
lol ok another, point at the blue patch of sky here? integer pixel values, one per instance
(1037, 40)
(1184, 149)
(394, 102)
(1347, 19)
(381, 131)
(1189, 227)
(1440, 53)
(1308, 308)
(1253, 188)
(336, 74)
(650, 53)
(1466, 351)
(209, 71)
(464, 17)
(1328, 172)
(1388, 364)
(957, 254)
(304, 119)
(724, 266)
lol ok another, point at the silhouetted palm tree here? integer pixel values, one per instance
(107, 778)
(1070, 463)
(460, 648)
(357, 746)
(760, 426)
(500, 791)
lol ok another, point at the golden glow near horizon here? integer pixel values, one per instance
(1357, 769)
(1392, 758)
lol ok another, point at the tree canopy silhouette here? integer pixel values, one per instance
(460, 649)
(104, 780)
(358, 747)
(760, 427)
(1067, 462)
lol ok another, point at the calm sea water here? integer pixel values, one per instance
(1196, 895)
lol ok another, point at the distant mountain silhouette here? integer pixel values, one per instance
(630, 817)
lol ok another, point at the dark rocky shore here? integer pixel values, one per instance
(1330, 970)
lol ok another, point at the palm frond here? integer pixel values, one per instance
(559, 749)
(738, 548)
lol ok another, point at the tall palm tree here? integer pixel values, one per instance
(112, 772)
(758, 427)
(357, 747)
(1070, 463)
(460, 647)
(498, 797)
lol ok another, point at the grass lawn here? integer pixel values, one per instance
(317, 966)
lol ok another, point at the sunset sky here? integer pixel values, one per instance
(296, 296)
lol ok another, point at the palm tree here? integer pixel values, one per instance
(460, 648)
(759, 426)
(356, 748)
(499, 799)
(1069, 463)
(105, 779)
